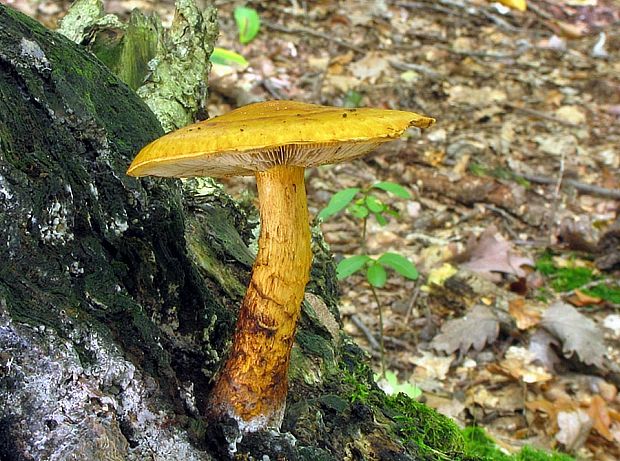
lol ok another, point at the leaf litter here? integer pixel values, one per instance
(578, 334)
(524, 155)
(475, 330)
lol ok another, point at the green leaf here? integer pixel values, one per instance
(227, 58)
(359, 211)
(400, 264)
(338, 202)
(411, 390)
(351, 265)
(248, 23)
(376, 275)
(380, 219)
(393, 188)
(374, 204)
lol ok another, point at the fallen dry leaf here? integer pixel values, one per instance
(476, 329)
(571, 114)
(540, 347)
(370, 67)
(492, 253)
(484, 398)
(430, 366)
(599, 413)
(518, 364)
(525, 315)
(551, 408)
(575, 427)
(580, 299)
(612, 322)
(577, 332)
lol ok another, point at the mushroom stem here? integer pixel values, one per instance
(253, 384)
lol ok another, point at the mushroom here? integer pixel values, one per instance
(275, 141)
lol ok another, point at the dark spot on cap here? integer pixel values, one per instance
(344, 115)
(240, 129)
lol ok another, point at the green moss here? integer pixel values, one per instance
(434, 435)
(480, 446)
(573, 276)
(531, 454)
(426, 433)
(357, 385)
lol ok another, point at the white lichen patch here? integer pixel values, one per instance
(71, 405)
(33, 52)
(93, 191)
(75, 268)
(5, 193)
(56, 230)
(118, 226)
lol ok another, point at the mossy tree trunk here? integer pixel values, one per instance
(118, 296)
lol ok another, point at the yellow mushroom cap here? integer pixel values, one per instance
(259, 136)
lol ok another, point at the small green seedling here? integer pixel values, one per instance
(352, 99)
(363, 203)
(248, 23)
(376, 274)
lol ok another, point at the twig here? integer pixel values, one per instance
(556, 199)
(374, 344)
(591, 284)
(414, 298)
(399, 343)
(271, 89)
(381, 342)
(502, 24)
(589, 189)
(534, 8)
(429, 6)
(510, 218)
(404, 66)
(483, 54)
(538, 114)
(314, 33)
(448, 7)
(500, 211)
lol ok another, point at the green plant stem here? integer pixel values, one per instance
(381, 344)
(363, 238)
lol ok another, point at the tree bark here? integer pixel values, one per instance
(118, 296)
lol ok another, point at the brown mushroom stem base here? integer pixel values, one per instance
(252, 386)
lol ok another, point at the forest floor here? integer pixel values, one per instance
(514, 215)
